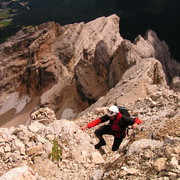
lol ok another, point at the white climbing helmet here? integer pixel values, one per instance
(112, 110)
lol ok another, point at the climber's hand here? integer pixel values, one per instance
(84, 127)
(134, 126)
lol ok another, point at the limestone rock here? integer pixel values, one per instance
(144, 143)
(72, 66)
(20, 173)
(160, 164)
(70, 74)
(96, 158)
(97, 174)
(175, 84)
(44, 115)
(34, 150)
(36, 126)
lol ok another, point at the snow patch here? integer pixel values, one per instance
(67, 113)
(14, 102)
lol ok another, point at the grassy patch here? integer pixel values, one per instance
(5, 23)
(56, 153)
(27, 29)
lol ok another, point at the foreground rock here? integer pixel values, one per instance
(20, 173)
(49, 150)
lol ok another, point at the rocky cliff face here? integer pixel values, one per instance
(77, 71)
(72, 66)
(54, 63)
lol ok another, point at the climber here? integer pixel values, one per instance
(118, 123)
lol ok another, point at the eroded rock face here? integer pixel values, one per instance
(46, 57)
(73, 66)
(66, 69)
(21, 66)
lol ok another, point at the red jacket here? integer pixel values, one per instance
(118, 126)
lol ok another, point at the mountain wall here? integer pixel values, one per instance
(55, 79)
(72, 66)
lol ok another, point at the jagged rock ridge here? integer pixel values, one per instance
(72, 66)
(67, 68)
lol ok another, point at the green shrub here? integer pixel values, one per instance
(56, 153)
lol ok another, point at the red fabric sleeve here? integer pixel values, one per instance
(138, 121)
(94, 123)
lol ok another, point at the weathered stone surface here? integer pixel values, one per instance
(43, 115)
(143, 144)
(67, 68)
(72, 66)
(78, 151)
(20, 173)
(160, 164)
(97, 174)
(34, 150)
(96, 158)
(175, 84)
(36, 126)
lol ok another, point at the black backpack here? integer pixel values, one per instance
(123, 110)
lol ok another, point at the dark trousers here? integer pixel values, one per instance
(106, 129)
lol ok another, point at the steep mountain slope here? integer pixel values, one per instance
(152, 153)
(47, 63)
(72, 66)
(57, 78)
